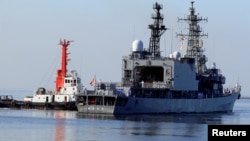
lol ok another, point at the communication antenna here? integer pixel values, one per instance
(157, 29)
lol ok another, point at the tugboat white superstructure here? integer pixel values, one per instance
(68, 84)
(153, 84)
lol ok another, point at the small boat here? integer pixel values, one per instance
(68, 84)
(7, 101)
(154, 84)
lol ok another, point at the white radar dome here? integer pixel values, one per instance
(214, 65)
(137, 46)
(176, 55)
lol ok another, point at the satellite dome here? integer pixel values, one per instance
(214, 65)
(176, 55)
(171, 55)
(137, 46)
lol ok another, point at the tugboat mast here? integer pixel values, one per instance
(61, 73)
(194, 46)
(157, 29)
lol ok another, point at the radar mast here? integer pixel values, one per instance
(157, 29)
(194, 45)
(61, 73)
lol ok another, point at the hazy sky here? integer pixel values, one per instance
(103, 31)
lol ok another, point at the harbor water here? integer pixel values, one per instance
(57, 125)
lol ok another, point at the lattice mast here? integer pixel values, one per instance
(194, 45)
(157, 29)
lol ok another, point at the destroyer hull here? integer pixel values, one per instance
(164, 106)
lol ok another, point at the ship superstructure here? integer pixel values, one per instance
(153, 84)
(148, 69)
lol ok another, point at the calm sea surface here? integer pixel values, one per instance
(49, 125)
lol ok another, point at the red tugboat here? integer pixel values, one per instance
(68, 84)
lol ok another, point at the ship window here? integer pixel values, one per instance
(125, 64)
(149, 74)
(167, 72)
(99, 100)
(91, 100)
(109, 100)
(127, 73)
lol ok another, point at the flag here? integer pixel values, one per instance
(182, 38)
(93, 81)
(181, 46)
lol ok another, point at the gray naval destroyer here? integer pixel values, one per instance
(153, 84)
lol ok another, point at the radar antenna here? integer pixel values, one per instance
(194, 45)
(157, 29)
